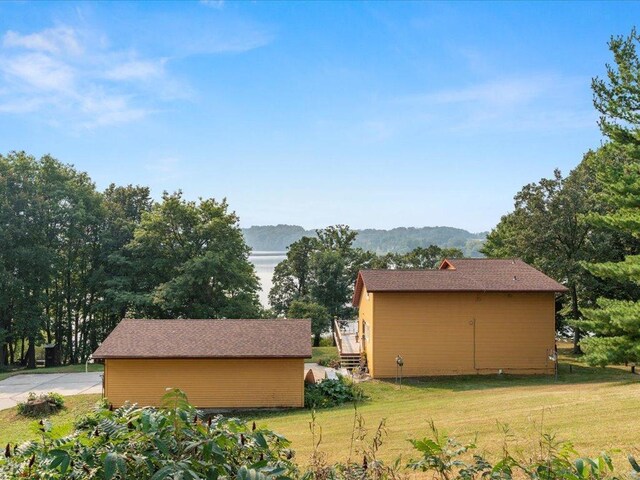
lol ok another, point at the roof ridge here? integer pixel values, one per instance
(483, 258)
(212, 319)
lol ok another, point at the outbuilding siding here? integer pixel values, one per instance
(452, 333)
(208, 382)
(365, 314)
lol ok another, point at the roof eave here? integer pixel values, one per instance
(454, 290)
(357, 292)
(175, 357)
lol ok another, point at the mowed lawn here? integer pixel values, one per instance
(15, 428)
(597, 409)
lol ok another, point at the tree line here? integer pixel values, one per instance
(74, 260)
(583, 229)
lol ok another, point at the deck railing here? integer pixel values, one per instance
(337, 335)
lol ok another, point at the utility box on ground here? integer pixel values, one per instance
(51, 357)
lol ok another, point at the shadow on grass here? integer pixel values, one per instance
(569, 373)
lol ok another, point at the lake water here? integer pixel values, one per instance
(265, 263)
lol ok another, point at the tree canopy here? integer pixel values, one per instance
(74, 261)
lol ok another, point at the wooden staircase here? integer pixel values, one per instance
(350, 361)
(348, 348)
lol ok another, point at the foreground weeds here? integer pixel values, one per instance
(441, 457)
(176, 442)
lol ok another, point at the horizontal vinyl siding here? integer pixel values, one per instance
(209, 383)
(365, 314)
(432, 332)
(515, 331)
(463, 333)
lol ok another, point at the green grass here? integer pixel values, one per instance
(593, 407)
(17, 429)
(93, 367)
(323, 354)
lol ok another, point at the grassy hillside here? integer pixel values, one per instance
(398, 240)
(595, 408)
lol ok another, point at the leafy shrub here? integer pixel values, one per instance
(447, 459)
(174, 441)
(332, 392)
(361, 464)
(41, 405)
(329, 362)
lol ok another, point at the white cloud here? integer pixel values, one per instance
(49, 72)
(502, 92)
(137, 70)
(217, 4)
(61, 40)
(102, 109)
(531, 103)
(20, 105)
(76, 77)
(39, 71)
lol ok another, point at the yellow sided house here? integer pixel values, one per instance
(470, 316)
(217, 363)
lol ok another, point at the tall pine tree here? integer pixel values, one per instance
(616, 324)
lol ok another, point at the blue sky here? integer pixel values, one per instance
(371, 114)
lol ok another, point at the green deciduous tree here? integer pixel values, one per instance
(75, 261)
(422, 257)
(548, 229)
(321, 269)
(319, 316)
(195, 262)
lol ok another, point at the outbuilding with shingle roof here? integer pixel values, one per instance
(468, 316)
(248, 363)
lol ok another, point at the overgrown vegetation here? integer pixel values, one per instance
(41, 405)
(332, 392)
(174, 441)
(447, 459)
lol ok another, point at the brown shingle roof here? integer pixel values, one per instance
(460, 275)
(207, 339)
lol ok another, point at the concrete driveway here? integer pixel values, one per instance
(16, 389)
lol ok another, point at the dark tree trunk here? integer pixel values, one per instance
(575, 313)
(31, 353)
(316, 340)
(12, 358)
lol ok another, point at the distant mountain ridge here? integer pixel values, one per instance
(398, 240)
